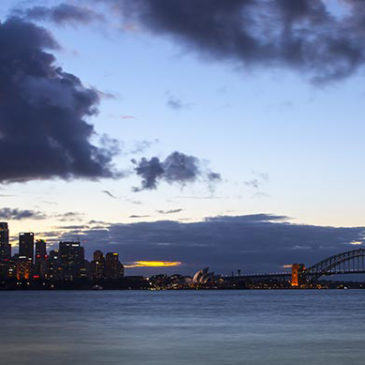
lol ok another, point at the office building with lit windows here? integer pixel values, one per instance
(5, 247)
(113, 267)
(40, 261)
(98, 266)
(26, 245)
(72, 259)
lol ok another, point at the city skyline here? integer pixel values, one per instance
(35, 267)
(53, 268)
(184, 144)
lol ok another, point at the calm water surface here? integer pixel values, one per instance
(191, 327)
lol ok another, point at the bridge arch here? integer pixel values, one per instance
(343, 263)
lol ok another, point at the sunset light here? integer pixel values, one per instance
(153, 264)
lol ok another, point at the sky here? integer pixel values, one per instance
(209, 133)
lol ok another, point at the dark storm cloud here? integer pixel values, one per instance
(252, 243)
(176, 168)
(304, 35)
(42, 112)
(60, 14)
(19, 214)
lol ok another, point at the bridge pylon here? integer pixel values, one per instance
(297, 277)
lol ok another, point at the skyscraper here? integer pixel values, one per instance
(23, 268)
(26, 245)
(113, 267)
(72, 259)
(5, 247)
(40, 258)
(98, 266)
(54, 268)
(40, 249)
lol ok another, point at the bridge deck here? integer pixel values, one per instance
(305, 274)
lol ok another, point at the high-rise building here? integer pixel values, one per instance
(5, 247)
(41, 257)
(40, 249)
(113, 267)
(54, 268)
(23, 268)
(26, 245)
(72, 259)
(98, 266)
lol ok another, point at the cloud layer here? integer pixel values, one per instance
(252, 243)
(305, 35)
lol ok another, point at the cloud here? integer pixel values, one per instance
(176, 168)
(134, 216)
(69, 216)
(61, 14)
(304, 35)
(75, 227)
(43, 109)
(108, 193)
(175, 103)
(210, 197)
(142, 146)
(254, 183)
(98, 222)
(171, 211)
(252, 243)
(19, 214)
(258, 179)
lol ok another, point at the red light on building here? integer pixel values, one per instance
(36, 276)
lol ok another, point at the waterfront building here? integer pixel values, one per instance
(72, 258)
(203, 276)
(84, 272)
(41, 257)
(54, 268)
(5, 247)
(98, 266)
(23, 268)
(26, 245)
(113, 267)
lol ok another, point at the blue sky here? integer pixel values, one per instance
(282, 144)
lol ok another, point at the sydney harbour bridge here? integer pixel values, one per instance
(349, 262)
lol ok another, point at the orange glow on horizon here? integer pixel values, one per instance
(153, 264)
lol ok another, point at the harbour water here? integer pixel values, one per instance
(183, 327)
